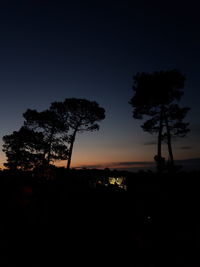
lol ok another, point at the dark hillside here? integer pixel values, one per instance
(68, 219)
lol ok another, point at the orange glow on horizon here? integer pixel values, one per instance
(112, 159)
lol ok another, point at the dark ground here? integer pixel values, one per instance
(66, 222)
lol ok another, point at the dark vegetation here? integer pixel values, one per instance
(156, 95)
(63, 218)
(49, 135)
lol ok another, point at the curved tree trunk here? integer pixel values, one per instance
(71, 149)
(169, 144)
(50, 146)
(159, 159)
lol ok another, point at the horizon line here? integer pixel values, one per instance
(127, 164)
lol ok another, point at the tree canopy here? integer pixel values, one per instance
(80, 115)
(49, 135)
(24, 149)
(156, 95)
(50, 124)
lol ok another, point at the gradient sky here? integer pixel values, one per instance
(51, 50)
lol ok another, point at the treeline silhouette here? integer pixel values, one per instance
(49, 135)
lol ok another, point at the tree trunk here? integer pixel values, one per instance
(159, 151)
(50, 144)
(169, 142)
(71, 149)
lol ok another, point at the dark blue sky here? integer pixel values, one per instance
(51, 50)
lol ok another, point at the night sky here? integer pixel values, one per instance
(52, 50)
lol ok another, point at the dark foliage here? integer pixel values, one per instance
(24, 149)
(154, 223)
(50, 124)
(80, 115)
(155, 95)
(49, 135)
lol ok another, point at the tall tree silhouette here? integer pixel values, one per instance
(50, 124)
(155, 95)
(24, 149)
(80, 115)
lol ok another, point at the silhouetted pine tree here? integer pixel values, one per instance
(155, 95)
(80, 115)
